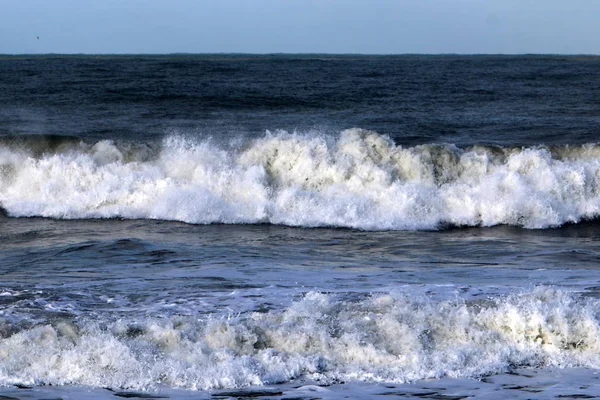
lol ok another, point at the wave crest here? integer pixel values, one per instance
(360, 179)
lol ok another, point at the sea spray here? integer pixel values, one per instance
(359, 179)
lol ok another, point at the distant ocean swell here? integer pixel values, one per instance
(359, 179)
(387, 337)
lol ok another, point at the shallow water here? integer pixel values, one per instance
(147, 305)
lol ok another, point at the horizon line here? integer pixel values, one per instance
(299, 54)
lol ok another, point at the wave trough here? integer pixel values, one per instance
(360, 180)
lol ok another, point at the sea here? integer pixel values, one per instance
(299, 226)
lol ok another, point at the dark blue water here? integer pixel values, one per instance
(504, 100)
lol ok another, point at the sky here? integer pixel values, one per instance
(300, 26)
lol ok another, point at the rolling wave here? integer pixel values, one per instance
(359, 179)
(390, 337)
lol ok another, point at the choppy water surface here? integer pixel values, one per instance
(299, 227)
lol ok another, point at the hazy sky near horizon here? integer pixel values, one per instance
(300, 26)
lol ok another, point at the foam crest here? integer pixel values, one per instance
(391, 337)
(358, 180)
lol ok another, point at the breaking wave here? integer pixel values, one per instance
(387, 337)
(359, 179)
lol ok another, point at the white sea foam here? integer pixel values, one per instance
(385, 338)
(359, 180)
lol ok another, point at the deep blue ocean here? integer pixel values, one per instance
(299, 226)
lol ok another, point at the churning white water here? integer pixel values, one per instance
(394, 337)
(358, 180)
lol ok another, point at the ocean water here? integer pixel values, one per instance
(309, 226)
